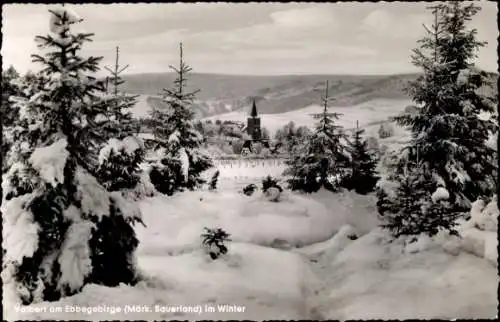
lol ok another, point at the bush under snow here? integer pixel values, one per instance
(128, 145)
(478, 235)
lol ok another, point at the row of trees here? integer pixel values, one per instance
(290, 137)
(328, 158)
(448, 163)
(70, 160)
(228, 129)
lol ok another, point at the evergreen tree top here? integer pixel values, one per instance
(326, 129)
(180, 83)
(69, 101)
(119, 112)
(173, 126)
(62, 63)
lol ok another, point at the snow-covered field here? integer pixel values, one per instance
(317, 256)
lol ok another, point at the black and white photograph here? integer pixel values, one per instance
(249, 161)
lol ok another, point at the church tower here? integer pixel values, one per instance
(253, 124)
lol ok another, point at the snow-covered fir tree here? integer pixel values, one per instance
(119, 160)
(10, 87)
(27, 86)
(61, 228)
(323, 159)
(9, 111)
(362, 175)
(179, 159)
(448, 154)
(412, 212)
(119, 164)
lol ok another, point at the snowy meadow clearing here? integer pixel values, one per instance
(318, 256)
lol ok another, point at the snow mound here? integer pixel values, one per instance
(485, 217)
(328, 249)
(440, 194)
(480, 243)
(50, 161)
(373, 279)
(350, 208)
(175, 223)
(191, 286)
(480, 231)
(491, 248)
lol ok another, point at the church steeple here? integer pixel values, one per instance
(254, 109)
(253, 124)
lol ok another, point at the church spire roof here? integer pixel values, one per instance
(254, 109)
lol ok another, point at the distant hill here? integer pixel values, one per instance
(221, 94)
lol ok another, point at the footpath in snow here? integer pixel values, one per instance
(306, 257)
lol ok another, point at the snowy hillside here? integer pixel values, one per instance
(200, 108)
(277, 94)
(366, 113)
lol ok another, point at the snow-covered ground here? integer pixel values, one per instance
(369, 278)
(317, 256)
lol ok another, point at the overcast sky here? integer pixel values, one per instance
(231, 38)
